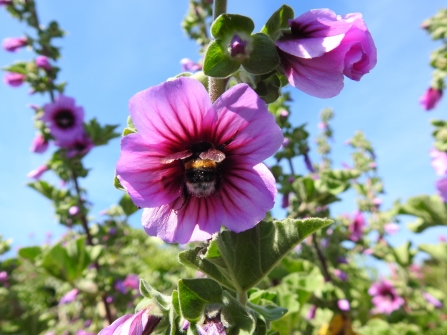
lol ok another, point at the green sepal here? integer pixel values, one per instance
(228, 24)
(195, 294)
(144, 303)
(17, 68)
(270, 313)
(127, 205)
(263, 56)
(130, 129)
(117, 184)
(269, 89)
(278, 21)
(217, 62)
(163, 301)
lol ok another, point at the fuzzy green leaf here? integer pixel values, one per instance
(228, 24)
(278, 21)
(217, 63)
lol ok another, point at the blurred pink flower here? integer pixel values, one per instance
(385, 298)
(439, 161)
(5, 2)
(391, 228)
(39, 144)
(322, 47)
(190, 66)
(14, 79)
(441, 186)
(432, 300)
(343, 305)
(141, 323)
(73, 210)
(37, 173)
(341, 274)
(311, 313)
(43, 63)
(430, 98)
(132, 281)
(356, 227)
(70, 296)
(12, 44)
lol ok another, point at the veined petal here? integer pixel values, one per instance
(310, 47)
(148, 182)
(243, 119)
(171, 112)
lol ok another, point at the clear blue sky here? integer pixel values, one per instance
(114, 49)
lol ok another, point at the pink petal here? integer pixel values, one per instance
(115, 326)
(243, 118)
(171, 113)
(148, 182)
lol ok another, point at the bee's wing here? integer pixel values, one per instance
(213, 154)
(176, 156)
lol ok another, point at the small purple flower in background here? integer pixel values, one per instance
(439, 161)
(12, 44)
(79, 146)
(190, 66)
(179, 133)
(356, 227)
(377, 202)
(322, 126)
(119, 286)
(132, 282)
(432, 300)
(14, 79)
(322, 47)
(368, 251)
(441, 186)
(73, 210)
(308, 163)
(342, 260)
(3, 276)
(343, 276)
(311, 313)
(65, 120)
(391, 228)
(109, 300)
(430, 98)
(285, 200)
(285, 142)
(112, 231)
(343, 305)
(43, 63)
(37, 173)
(385, 298)
(70, 296)
(442, 238)
(39, 144)
(141, 323)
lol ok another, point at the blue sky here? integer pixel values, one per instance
(114, 49)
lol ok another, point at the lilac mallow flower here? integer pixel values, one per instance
(3, 276)
(356, 227)
(441, 186)
(65, 120)
(119, 286)
(385, 298)
(341, 274)
(432, 300)
(343, 305)
(322, 47)
(73, 210)
(195, 166)
(14, 79)
(70, 296)
(39, 144)
(37, 173)
(141, 323)
(132, 282)
(43, 62)
(79, 146)
(12, 44)
(311, 313)
(430, 99)
(190, 66)
(439, 161)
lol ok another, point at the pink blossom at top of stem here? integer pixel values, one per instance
(179, 129)
(141, 323)
(430, 99)
(70, 296)
(12, 44)
(38, 172)
(356, 227)
(14, 79)
(132, 281)
(65, 120)
(39, 144)
(439, 161)
(189, 65)
(441, 186)
(385, 298)
(43, 63)
(322, 47)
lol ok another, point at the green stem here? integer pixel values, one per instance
(242, 298)
(217, 86)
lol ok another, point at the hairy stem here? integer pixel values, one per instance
(322, 259)
(242, 298)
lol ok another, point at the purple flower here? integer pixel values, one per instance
(285, 200)
(432, 300)
(79, 146)
(43, 63)
(65, 120)
(356, 227)
(284, 113)
(39, 144)
(73, 210)
(341, 274)
(180, 133)
(322, 47)
(119, 286)
(14, 79)
(237, 46)
(385, 298)
(342, 260)
(12, 44)
(430, 98)
(311, 313)
(441, 186)
(3, 276)
(133, 324)
(5, 2)
(285, 142)
(308, 163)
(439, 161)
(189, 65)
(391, 228)
(343, 305)
(37, 173)
(70, 296)
(132, 282)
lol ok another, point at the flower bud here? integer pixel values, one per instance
(12, 44)
(14, 79)
(43, 63)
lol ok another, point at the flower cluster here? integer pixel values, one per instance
(439, 163)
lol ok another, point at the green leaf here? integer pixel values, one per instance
(117, 184)
(278, 21)
(403, 255)
(437, 251)
(163, 301)
(127, 205)
(241, 321)
(228, 24)
(269, 89)
(30, 253)
(100, 135)
(376, 327)
(217, 63)
(270, 313)
(264, 57)
(195, 294)
(17, 68)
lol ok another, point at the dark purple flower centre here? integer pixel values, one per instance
(64, 118)
(387, 293)
(237, 46)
